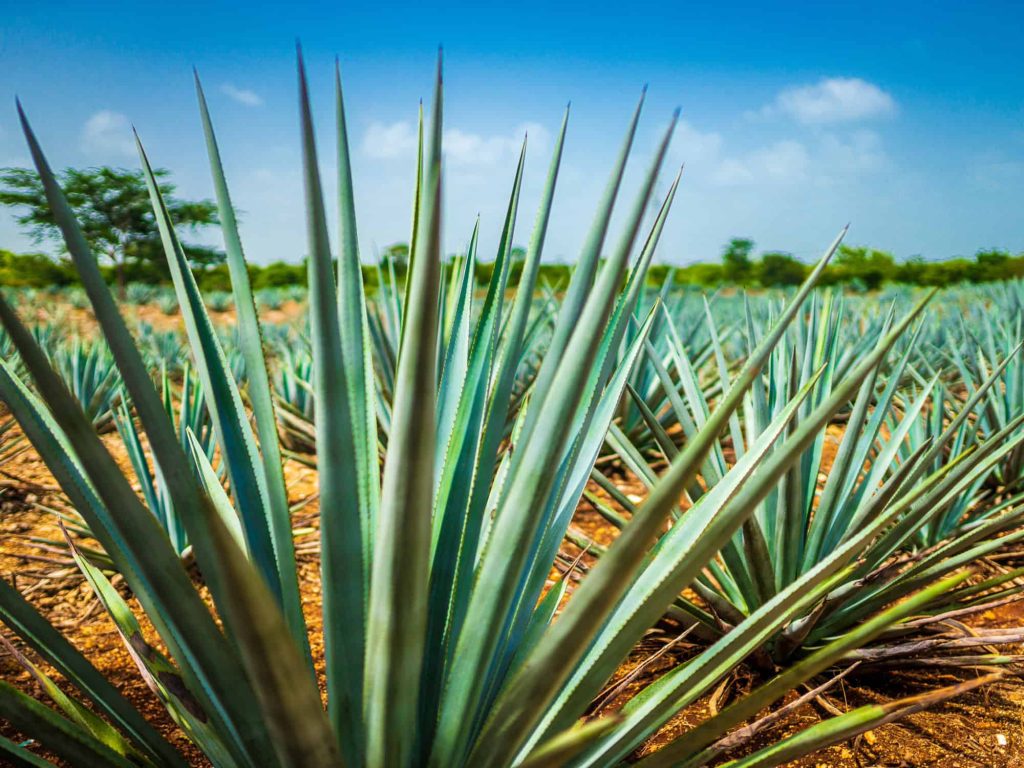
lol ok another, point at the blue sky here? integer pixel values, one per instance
(904, 119)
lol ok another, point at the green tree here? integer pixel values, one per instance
(867, 268)
(398, 253)
(991, 264)
(736, 264)
(113, 208)
(778, 269)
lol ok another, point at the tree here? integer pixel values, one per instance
(866, 268)
(113, 208)
(398, 254)
(778, 269)
(736, 264)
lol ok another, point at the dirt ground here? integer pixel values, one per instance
(982, 728)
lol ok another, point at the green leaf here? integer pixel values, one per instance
(344, 564)
(401, 562)
(57, 734)
(258, 391)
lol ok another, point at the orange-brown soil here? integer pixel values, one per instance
(982, 728)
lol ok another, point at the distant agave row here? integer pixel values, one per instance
(455, 436)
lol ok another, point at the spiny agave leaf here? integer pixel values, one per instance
(846, 726)
(691, 748)
(530, 481)
(585, 452)
(163, 678)
(401, 561)
(78, 713)
(344, 563)
(355, 344)
(57, 734)
(599, 594)
(218, 496)
(258, 384)
(150, 566)
(456, 359)
(19, 755)
(674, 562)
(521, 304)
(653, 706)
(515, 341)
(561, 750)
(19, 615)
(458, 532)
(214, 670)
(224, 401)
(289, 699)
(586, 266)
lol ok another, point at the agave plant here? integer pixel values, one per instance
(293, 391)
(441, 645)
(167, 302)
(11, 443)
(187, 411)
(218, 301)
(162, 350)
(875, 472)
(139, 293)
(269, 298)
(90, 373)
(989, 346)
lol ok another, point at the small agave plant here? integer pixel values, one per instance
(445, 644)
(887, 490)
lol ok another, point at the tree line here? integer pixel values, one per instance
(112, 205)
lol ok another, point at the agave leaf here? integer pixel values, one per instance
(691, 749)
(458, 526)
(344, 565)
(601, 591)
(149, 563)
(21, 757)
(163, 678)
(354, 327)
(844, 727)
(78, 713)
(57, 734)
(19, 615)
(561, 750)
(258, 390)
(401, 564)
(529, 482)
(218, 496)
(674, 562)
(295, 720)
(230, 420)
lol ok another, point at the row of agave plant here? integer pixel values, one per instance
(819, 479)
(164, 298)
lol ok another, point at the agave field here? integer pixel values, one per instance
(433, 524)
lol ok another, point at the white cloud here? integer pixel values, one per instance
(462, 149)
(861, 152)
(242, 95)
(707, 161)
(832, 100)
(696, 148)
(107, 133)
(783, 162)
(383, 142)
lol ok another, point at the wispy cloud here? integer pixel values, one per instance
(383, 141)
(462, 149)
(107, 133)
(242, 95)
(831, 100)
(820, 159)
